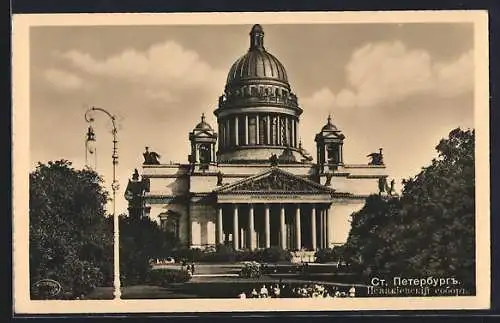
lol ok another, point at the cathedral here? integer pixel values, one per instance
(248, 182)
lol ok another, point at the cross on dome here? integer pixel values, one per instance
(329, 125)
(203, 125)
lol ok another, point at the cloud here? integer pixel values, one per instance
(321, 100)
(161, 70)
(388, 72)
(457, 76)
(62, 80)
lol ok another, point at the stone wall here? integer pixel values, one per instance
(356, 186)
(180, 209)
(203, 225)
(169, 186)
(340, 216)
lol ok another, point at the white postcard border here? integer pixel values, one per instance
(21, 165)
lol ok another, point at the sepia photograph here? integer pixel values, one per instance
(250, 162)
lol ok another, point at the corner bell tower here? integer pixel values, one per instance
(329, 144)
(203, 140)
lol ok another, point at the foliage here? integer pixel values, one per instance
(225, 253)
(251, 270)
(273, 254)
(69, 240)
(141, 240)
(329, 254)
(429, 229)
(188, 254)
(165, 277)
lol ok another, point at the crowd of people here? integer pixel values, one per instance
(304, 291)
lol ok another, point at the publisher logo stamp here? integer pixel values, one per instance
(46, 288)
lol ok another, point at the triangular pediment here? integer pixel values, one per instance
(203, 134)
(277, 181)
(333, 135)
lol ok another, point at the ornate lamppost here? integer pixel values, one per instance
(114, 186)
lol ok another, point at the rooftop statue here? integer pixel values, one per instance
(274, 160)
(328, 181)
(146, 182)
(220, 177)
(287, 156)
(307, 156)
(383, 186)
(151, 157)
(135, 176)
(376, 158)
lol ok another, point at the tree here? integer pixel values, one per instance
(141, 240)
(429, 230)
(69, 239)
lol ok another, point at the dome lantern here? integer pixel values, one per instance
(257, 38)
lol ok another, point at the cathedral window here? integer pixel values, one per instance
(232, 136)
(205, 154)
(241, 130)
(262, 130)
(333, 154)
(173, 226)
(274, 130)
(220, 134)
(252, 129)
(170, 223)
(288, 131)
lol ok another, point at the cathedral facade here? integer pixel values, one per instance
(248, 182)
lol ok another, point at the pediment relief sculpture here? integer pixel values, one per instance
(276, 182)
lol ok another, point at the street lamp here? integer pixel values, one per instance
(90, 149)
(114, 186)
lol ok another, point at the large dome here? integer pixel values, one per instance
(258, 114)
(257, 63)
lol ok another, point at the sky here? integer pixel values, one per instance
(401, 87)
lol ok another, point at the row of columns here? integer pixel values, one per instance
(324, 224)
(279, 137)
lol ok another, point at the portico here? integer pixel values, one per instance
(263, 225)
(274, 208)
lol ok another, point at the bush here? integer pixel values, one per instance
(273, 254)
(225, 253)
(251, 270)
(222, 254)
(188, 254)
(329, 255)
(165, 277)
